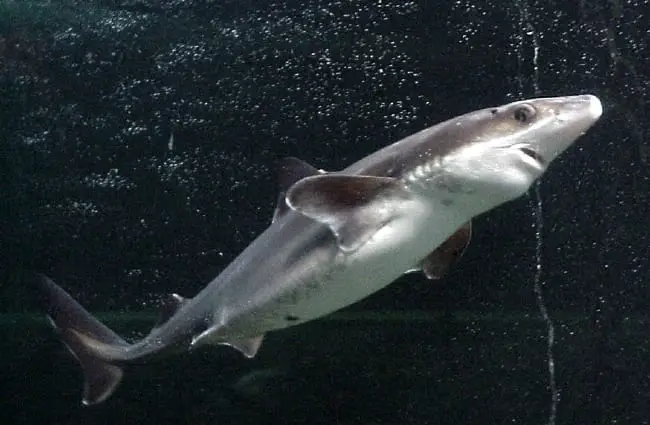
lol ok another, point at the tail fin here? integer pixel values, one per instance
(78, 329)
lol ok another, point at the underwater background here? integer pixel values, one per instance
(138, 144)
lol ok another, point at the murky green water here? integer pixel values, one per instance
(349, 368)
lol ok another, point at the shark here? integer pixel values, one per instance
(336, 237)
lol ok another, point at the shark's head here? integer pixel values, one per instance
(499, 152)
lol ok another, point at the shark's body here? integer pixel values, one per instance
(338, 237)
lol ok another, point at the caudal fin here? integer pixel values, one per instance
(79, 330)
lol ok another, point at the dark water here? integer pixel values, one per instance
(138, 142)
(349, 369)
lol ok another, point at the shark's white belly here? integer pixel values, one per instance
(393, 250)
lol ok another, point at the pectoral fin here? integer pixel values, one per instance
(436, 264)
(353, 207)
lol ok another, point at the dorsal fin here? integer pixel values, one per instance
(170, 305)
(290, 171)
(436, 264)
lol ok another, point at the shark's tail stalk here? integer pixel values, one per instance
(78, 329)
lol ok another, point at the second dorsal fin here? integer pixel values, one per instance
(170, 305)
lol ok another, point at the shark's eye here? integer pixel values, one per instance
(524, 113)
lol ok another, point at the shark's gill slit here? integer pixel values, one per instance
(534, 155)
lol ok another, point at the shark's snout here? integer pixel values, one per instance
(571, 116)
(586, 106)
(595, 107)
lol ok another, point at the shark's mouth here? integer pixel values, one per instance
(533, 154)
